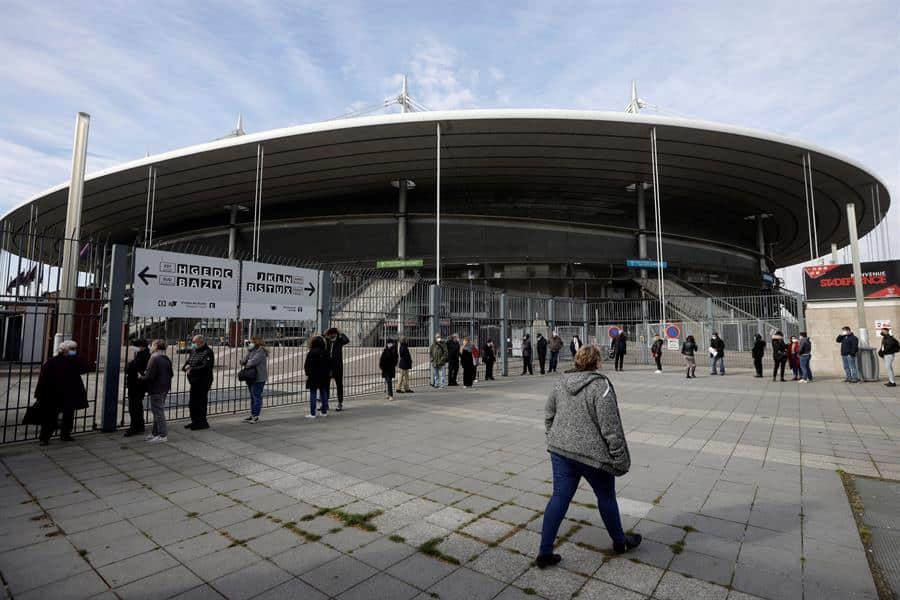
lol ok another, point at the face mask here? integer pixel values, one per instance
(439, 340)
(193, 346)
(845, 332)
(390, 345)
(72, 352)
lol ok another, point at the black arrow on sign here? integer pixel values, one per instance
(145, 276)
(311, 289)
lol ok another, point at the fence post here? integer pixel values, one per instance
(504, 334)
(434, 312)
(551, 315)
(529, 316)
(112, 365)
(585, 320)
(324, 301)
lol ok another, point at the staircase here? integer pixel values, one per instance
(362, 314)
(691, 303)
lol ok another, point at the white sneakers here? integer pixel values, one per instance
(658, 371)
(158, 439)
(310, 416)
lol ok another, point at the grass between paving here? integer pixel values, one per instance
(865, 534)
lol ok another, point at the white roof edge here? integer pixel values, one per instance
(457, 115)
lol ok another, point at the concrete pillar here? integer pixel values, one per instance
(434, 312)
(857, 276)
(114, 330)
(324, 301)
(551, 315)
(761, 241)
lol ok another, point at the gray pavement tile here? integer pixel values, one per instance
(292, 589)
(420, 532)
(712, 546)
(525, 542)
(445, 495)
(220, 563)
(703, 567)
(421, 571)
(771, 586)
(250, 581)
(477, 504)
(251, 528)
(728, 530)
(736, 595)
(145, 507)
(338, 575)
(555, 584)
(659, 532)
(390, 498)
(380, 587)
(199, 546)
(501, 564)
(771, 560)
(487, 529)
(75, 587)
(510, 593)
(275, 542)
(201, 592)
(465, 584)
(119, 549)
(304, 558)
(677, 587)
(165, 584)
(137, 567)
(514, 514)
(461, 548)
(175, 531)
(382, 553)
(579, 560)
(104, 534)
(228, 516)
(628, 574)
(449, 518)
(349, 539)
(88, 521)
(533, 501)
(652, 553)
(600, 590)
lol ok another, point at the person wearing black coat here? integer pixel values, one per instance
(779, 355)
(388, 365)
(620, 349)
(526, 355)
(656, 351)
(688, 348)
(405, 365)
(137, 388)
(489, 357)
(453, 359)
(889, 348)
(467, 361)
(759, 350)
(334, 345)
(317, 367)
(542, 351)
(718, 356)
(849, 348)
(60, 389)
(199, 369)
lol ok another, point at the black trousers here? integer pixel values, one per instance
(620, 359)
(136, 409)
(542, 360)
(779, 363)
(338, 376)
(489, 370)
(526, 365)
(452, 372)
(468, 375)
(199, 401)
(658, 359)
(757, 364)
(50, 424)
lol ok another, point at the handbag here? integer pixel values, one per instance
(247, 374)
(33, 414)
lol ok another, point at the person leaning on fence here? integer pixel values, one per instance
(405, 366)
(717, 354)
(388, 365)
(805, 352)
(137, 389)
(438, 354)
(757, 353)
(158, 379)
(656, 351)
(199, 369)
(849, 348)
(256, 372)
(779, 355)
(335, 342)
(489, 357)
(688, 348)
(60, 389)
(585, 438)
(317, 368)
(452, 359)
(888, 350)
(554, 346)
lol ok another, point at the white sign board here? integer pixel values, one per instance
(672, 344)
(171, 284)
(882, 324)
(278, 292)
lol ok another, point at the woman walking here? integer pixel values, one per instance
(405, 365)
(779, 354)
(158, 381)
(489, 359)
(585, 438)
(388, 365)
(467, 361)
(318, 375)
(255, 364)
(688, 348)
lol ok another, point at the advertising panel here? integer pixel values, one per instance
(835, 282)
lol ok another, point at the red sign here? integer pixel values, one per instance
(835, 282)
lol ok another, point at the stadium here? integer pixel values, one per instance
(541, 201)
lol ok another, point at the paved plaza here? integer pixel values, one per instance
(734, 486)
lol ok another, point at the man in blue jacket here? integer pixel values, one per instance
(849, 348)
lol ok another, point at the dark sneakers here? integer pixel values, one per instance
(631, 542)
(547, 560)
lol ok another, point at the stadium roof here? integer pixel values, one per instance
(712, 176)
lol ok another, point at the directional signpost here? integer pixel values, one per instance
(278, 292)
(171, 284)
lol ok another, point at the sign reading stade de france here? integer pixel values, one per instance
(880, 279)
(278, 292)
(172, 284)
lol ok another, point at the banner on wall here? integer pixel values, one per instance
(881, 279)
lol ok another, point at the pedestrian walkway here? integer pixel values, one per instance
(439, 494)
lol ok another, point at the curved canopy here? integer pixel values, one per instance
(551, 165)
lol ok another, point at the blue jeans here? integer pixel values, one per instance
(256, 390)
(805, 371)
(439, 376)
(554, 361)
(850, 367)
(318, 394)
(567, 474)
(720, 360)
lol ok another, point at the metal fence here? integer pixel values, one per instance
(369, 306)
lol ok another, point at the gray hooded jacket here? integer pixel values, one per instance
(583, 422)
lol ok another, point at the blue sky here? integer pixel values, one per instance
(162, 75)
